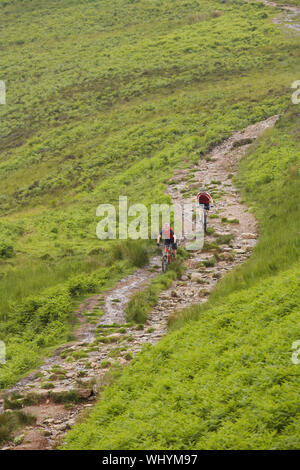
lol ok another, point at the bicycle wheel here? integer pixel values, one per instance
(205, 221)
(164, 263)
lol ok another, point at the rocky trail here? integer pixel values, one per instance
(289, 17)
(65, 387)
(68, 382)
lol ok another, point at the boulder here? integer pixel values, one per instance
(248, 236)
(196, 277)
(240, 251)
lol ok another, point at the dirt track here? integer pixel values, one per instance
(86, 373)
(288, 17)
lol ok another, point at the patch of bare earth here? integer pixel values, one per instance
(82, 366)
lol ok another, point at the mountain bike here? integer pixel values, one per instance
(167, 257)
(204, 217)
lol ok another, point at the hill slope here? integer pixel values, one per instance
(108, 98)
(225, 379)
(231, 382)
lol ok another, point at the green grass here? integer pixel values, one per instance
(96, 109)
(11, 422)
(269, 179)
(107, 99)
(223, 378)
(78, 151)
(231, 383)
(41, 322)
(33, 326)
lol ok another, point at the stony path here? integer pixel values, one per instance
(80, 369)
(288, 17)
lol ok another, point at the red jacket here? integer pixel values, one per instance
(205, 198)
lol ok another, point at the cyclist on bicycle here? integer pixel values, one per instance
(204, 198)
(169, 237)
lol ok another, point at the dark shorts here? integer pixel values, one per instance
(170, 243)
(206, 206)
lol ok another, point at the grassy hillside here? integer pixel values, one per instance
(107, 98)
(269, 179)
(225, 379)
(225, 382)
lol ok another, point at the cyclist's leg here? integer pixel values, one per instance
(203, 213)
(174, 248)
(206, 214)
(165, 257)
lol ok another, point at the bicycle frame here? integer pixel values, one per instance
(167, 257)
(169, 253)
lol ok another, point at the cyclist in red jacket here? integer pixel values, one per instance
(204, 198)
(169, 237)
